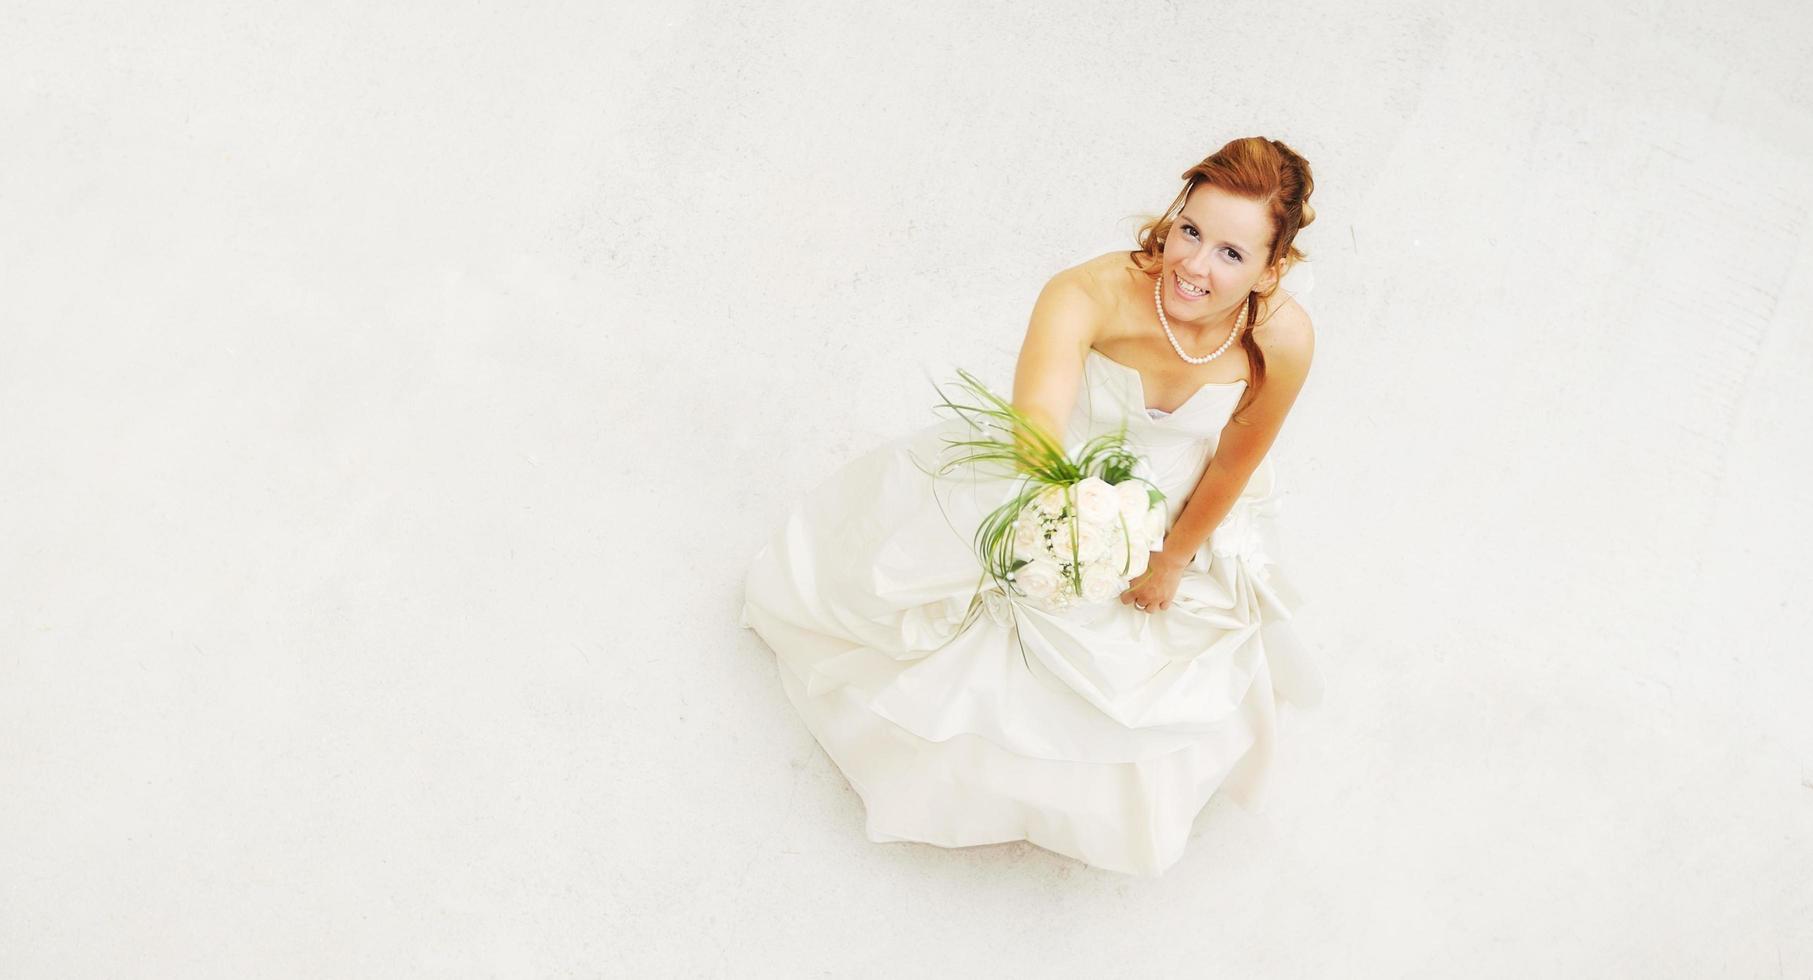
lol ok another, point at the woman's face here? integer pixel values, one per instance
(1218, 243)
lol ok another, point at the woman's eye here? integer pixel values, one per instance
(1225, 248)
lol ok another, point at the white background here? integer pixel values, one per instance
(391, 397)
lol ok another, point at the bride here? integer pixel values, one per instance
(1099, 730)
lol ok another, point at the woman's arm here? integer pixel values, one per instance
(1063, 326)
(1288, 346)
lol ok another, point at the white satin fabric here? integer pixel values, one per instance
(1098, 732)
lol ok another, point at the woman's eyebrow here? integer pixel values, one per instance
(1192, 222)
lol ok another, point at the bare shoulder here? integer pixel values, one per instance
(1086, 290)
(1287, 337)
(1106, 273)
(1065, 318)
(1107, 278)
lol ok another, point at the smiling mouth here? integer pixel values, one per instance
(1185, 290)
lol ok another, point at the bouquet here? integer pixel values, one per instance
(1083, 541)
(1078, 528)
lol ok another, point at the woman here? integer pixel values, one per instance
(1101, 730)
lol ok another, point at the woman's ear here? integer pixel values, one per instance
(1269, 281)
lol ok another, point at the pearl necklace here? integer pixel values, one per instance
(1158, 292)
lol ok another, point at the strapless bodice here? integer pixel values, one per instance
(1112, 392)
(1177, 445)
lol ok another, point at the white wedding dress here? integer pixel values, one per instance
(1098, 732)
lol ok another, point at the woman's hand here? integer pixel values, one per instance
(1152, 590)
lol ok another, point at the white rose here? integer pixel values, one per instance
(1155, 526)
(1100, 583)
(1130, 528)
(1096, 500)
(1117, 536)
(1133, 499)
(1051, 500)
(1029, 536)
(1039, 580)
(1091, 541)
(1142, 559)
(1121, 550)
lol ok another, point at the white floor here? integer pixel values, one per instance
(393, 394)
